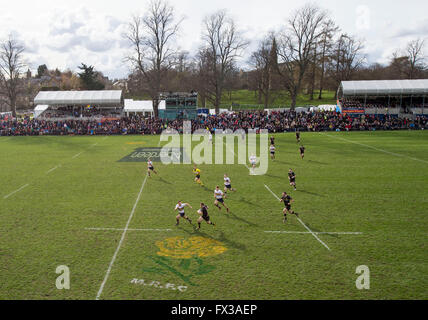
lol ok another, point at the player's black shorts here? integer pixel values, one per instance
(272, 152)
(206, 218)
(182, 214)
(292, 180)
(228, 186)
(151, 168)
(287, 206)
(198, 176)
(220, 200)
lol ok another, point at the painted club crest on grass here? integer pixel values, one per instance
(181, 248)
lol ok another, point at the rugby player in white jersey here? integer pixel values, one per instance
(218, 195)
(150, 167)
(181, 214)
(227, 185)
(253, 161)
(272, 152)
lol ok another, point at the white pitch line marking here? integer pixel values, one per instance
(53, 169)
(76, 155)
(302, 232)
(306, 227)
(113, 229)
(100, 291)
(377, 149)
(12, 193)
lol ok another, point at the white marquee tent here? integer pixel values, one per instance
(58, 98)
(384, 88)
(141, 106)
(39, 109)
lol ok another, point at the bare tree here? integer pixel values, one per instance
(222, 45)
(11, 68)
(264, 61)
(152, 38)
(296, 45)
(346, 58)
(416, 57)
(326, 43)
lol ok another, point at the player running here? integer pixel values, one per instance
(298, 136)
(197, 173)
(180, 207)
(253, 161)
(302, 151)
(287, 203)
(203, 212)
(292, 178)
(218, 195)
(227, 185)
(272, 152)
(150, 167)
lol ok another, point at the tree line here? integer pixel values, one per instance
(309, 55)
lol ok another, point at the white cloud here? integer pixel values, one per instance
(64, 34)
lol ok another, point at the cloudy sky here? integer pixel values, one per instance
(65, 33)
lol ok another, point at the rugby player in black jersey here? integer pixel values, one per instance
(292, 178)
(287, 203)
(302, 151)
(203, 212)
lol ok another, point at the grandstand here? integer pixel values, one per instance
(397, 98)
(79, 105)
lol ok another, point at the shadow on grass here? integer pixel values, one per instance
(287, 163)
(243, 200)
(164, 181)
(222, 238)
(311, 193)
(318, 162)
(235, 217)
(272, 176)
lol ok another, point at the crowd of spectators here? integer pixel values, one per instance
(381, 104)
(275, 121)
(70, 112)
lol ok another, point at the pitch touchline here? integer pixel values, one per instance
(12, 193)
(113, 229)
(100, 291)
(306, 227)
(302, 232)
(377, 149)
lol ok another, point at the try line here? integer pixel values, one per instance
(304, 225)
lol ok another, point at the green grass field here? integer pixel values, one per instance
(248, 100)
(54, 188)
